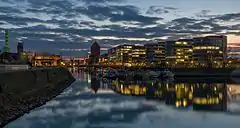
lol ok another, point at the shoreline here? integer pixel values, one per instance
(36, 103)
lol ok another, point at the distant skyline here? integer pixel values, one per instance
(70, 26)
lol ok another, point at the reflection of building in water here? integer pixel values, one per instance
(95, 84)
(201, 96)
(170, 94)
(184, 95)
(129, 88)
(155, 90)
(234, 91)
(210, 97)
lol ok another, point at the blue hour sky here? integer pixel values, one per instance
(70, 26)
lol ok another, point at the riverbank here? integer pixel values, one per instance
(23, 91)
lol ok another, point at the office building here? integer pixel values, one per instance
(112, 56)
(21, 55)
(20, 47)
(138, 56)
(179, 54)
(123, 55)
(128, 55)
(103, 59)
(210, 51)
(155, 55)
(46, 59)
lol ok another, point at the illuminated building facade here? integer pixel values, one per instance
(138, 56)
(45, 59)
(112, 56)
(179, 54)
(30, 55)
(210, 97)
(233, 62)
(155, 55)
(200, 52)
(210, 51)
(123, 55)
(127, 55)
(103, 59)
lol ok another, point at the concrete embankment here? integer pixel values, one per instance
(22, 91)
(206, 72)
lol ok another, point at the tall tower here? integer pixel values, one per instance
(95, 53)
(6, 48)
(20, 47)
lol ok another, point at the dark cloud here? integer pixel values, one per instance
(160, 10)
(184, 20)
(234, 33)
(88, 23)
(181, 24)
(227, 17)
(235, 27)
(102, 1)
(1, 23)
(9, 10)
(38, 3)
(59, 7)
(7, 1)
(116, 14)
(203, 13)
(17, 20)
(170, 8)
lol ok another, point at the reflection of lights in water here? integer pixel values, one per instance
(89, 78)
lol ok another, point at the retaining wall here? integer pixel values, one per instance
(204, 72)
(21, 91)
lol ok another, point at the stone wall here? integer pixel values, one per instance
(21, 91)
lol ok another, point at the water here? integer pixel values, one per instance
(138, 104)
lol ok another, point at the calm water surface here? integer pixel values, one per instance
(92, 103)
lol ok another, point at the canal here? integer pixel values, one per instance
(95, 103)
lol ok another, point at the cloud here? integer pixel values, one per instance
(116, 13)
(17, 20)
(102, 1)
(160, 10)
(203, 13)
(10, 10)
(184, 20)
(60, 24)
(227, 17)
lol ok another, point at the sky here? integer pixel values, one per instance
(69, 27)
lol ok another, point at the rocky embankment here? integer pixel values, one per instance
(22, 91)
